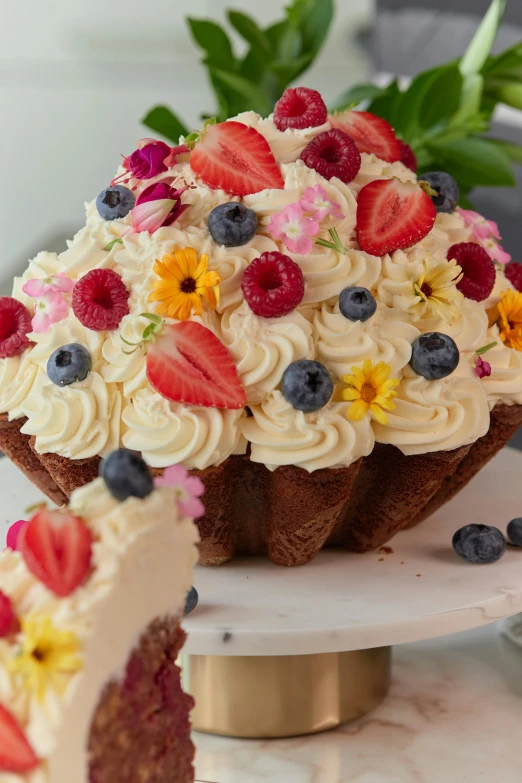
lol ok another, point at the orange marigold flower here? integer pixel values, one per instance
(184, 282)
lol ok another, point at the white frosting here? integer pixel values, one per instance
(504, 385)
(17, 377)
(168, 433)
(341, 343)
(264, 347)
(143, 561)
(282, 435)
(436, 415)
(78, 421)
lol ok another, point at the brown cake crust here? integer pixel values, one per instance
(504, 422)
(140, 732)
(291, 514)
(390, 489)
(15, 445)
(69, 474)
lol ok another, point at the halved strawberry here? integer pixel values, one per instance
(370, 133)
(16, 755)
(392, 215)
(235, 158)
(188, 363)
(57, 549)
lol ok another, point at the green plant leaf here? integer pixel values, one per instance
(148, 331)
(250, 31)
(254, 96)
(215, 42)
(513, 151)
(313, 18)
(507, 91)
(356, 94)
(471, 98)
(152, 317)
(289, 71)
(407, 112)
(387, 105)
(477, 52)
(442, 99)
(163, 121)
(474, 162)
(508, 61)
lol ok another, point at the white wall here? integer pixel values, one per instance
(77, 75)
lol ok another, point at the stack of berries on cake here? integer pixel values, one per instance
(330, 343)
(90, 602)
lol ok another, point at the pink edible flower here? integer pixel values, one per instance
(59, 282)
(482, 368)
(158, 205)
(13, 534)
(152, 157)
(188, 489)
(485, 233)
(316, 200)
(49, 309)
(294, 229)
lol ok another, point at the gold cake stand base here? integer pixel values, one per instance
(284, 696)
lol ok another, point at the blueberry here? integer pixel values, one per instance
(68, 364)
(447, 190)
(357, 304)
(479, 544)
(434, 355)
(126, 475)
(232, 224)
(192, 600)
(115, 202)
(514, 531)
(307, 385)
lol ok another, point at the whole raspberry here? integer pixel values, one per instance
(408, 157)
(100, 300)
(513, 273)
(300, 107)
(333, 154)
(478, 268)
(273, 285)
(8, 621)
(15, 324)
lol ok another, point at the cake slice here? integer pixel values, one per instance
(90, 602)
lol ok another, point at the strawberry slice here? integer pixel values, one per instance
(235, 158)
(188, 363)
(16, 755)
(392, 215)
(370, 133)
(57, 549)
(8, 620)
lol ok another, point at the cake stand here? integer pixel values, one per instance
(274, 652)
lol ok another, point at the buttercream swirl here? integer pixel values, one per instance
(436, 415)
(341, 343)
(78, 421)
(264, 347)
(504, 385)
(17, 377)
(373, 168)
(282, 435)
(287, 145)
(170, 433)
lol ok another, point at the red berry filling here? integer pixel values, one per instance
(100, 300)
(300, 107)
(15, 324)
(478, 268)
(513, 273)
(333, 154)
(273, 285)
(8, 620)
(408, 156)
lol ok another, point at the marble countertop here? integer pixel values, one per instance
(453, 716)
